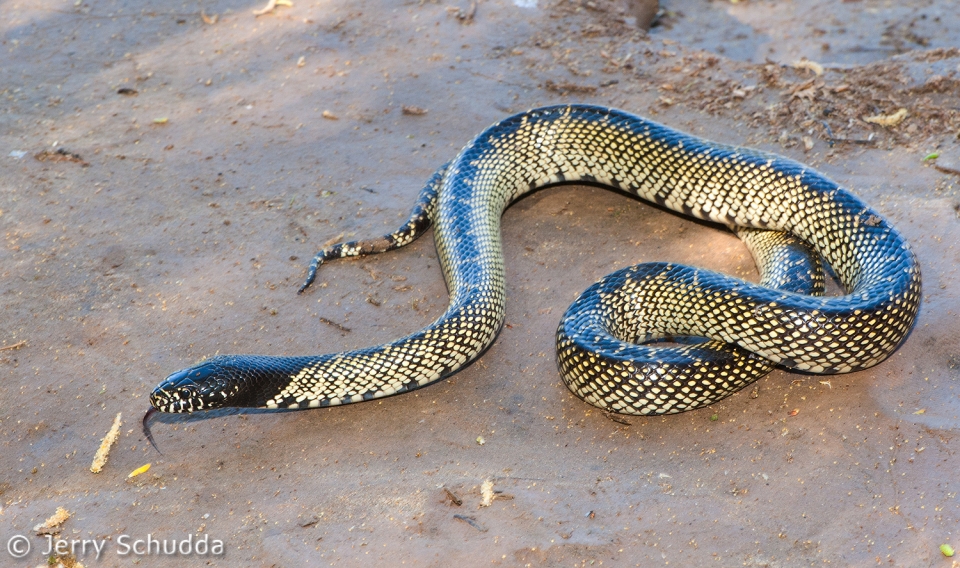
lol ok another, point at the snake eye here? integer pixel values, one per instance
(184, 392)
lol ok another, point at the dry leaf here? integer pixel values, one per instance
(811, 65)
(887, 119)
(139, 470)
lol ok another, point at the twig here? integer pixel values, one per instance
(501, 81)
(335, 324)
(616, 418)
(509, 478)
(564, 87)
(17, 345)
(456, 500)
(935, 166)
(833, 139)
(470, 521)
(869, 140)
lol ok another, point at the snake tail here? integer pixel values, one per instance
(416, 225)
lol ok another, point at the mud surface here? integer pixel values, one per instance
(167, 171)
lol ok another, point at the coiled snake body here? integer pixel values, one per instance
(597, 339)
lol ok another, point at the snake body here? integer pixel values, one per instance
(597, 339)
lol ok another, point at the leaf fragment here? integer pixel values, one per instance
(139, 470)
(887, 120)
(809, 65)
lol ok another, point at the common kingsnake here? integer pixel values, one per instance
(597, 348)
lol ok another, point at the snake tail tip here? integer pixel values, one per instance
(305, 285)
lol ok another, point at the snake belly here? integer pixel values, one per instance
(732, 186)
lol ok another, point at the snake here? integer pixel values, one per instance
(607, 350)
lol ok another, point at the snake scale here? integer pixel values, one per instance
(751, 327)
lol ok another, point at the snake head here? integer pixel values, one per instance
(201, 387)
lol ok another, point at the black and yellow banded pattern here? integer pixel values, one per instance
(597, 353)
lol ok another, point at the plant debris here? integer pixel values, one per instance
(887, 120)
(334, 324)
(271, 5)
(140, 470)
(453, 498)
(52, 525)
(60, 155)
(471, 521)
(465, 15)
(811, 65)
(565, 87)
(486, 493)
(946, 170)
(103, 452)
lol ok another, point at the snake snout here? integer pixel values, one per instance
(200, 387)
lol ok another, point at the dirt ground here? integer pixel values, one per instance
(167, 171)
